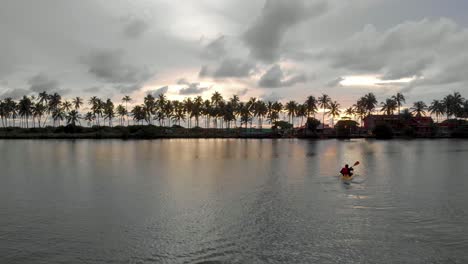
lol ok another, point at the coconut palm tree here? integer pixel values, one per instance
(302, 112)
(261, 110)
(389, 106)
(234, 100)
(291, 108)
(453, 104)
(179, 112)
(350, 111)
(58, 115)
(127, 99)
(67, 106)
(139, 114)
(360, 110)
(25, 110)
(324, 103)
(370, 102)
(245, 114)
(122, 113)
(149, 103)
(399, 98)
(89, 117)
(38, 112)
(77, 102)
(437, 108)
(419, 108)
(311, 106)
(108, 110)
(188, 106)
(73, 117)
(334, 110)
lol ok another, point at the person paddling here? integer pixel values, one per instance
(348, 171)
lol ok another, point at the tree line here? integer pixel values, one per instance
(217, 112)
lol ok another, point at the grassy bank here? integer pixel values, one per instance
(131, 132)
(156, 132)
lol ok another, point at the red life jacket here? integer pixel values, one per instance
(344, 171)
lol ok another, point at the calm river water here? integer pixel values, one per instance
(233, 201)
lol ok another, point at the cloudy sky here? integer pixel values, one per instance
(270, 49)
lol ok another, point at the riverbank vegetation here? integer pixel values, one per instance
(51, 116)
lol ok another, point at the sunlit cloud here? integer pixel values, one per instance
(372, 80)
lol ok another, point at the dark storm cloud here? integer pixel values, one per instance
(14, 93)
(408, 68)
(275, 78)
(159, 91)
(405, 50)
(94, 89)
(128, 88)
(135, 28)
(229, 68)
(40, 83)
(193, 88)
(265, 36)
(242, 92)
(336, 82)
(215, 49)
(204, 71)
(182, 81)
(109, 66)
(271, 97)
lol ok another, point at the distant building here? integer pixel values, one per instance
(422, 125)
(394, 121)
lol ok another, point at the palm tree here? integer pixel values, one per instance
(399, 98)
(437, 108)
(25, 110)
(350, 111)
(245, 114)
(324, 103)
(302, 112)
(360, 110)
(179, 112)
(67, 106)
(96, 107)
(453, 104)
(73, 117)
(77, 102)
(234, 100)
(121, 112)
(419, 108)
(139, 114)
(370, 102)
(90, 117)
(261, 110)
(291, 108)
(109, 113)
(311, 106)
(251, 106)
(58, 115)
(334, 110)
(149, 103)
(127, 99)
(38, 111)
(389, 106)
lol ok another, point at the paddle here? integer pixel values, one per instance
(356, 163)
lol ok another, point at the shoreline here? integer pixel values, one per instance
(153, 132)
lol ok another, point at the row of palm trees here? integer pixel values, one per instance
(217, 112)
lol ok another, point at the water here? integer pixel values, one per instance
(233, 201)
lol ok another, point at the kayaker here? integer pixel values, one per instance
(347, 171)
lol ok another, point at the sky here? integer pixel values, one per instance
(269, 49)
